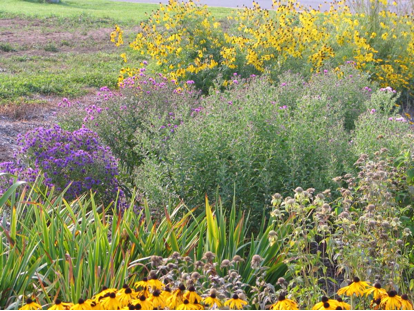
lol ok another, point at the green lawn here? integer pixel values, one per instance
(64, 50)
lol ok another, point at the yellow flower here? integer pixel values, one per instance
(143, 302)
(31, 305)
(377, 291)
(157, 300)
(357, 288)
(123, 55)
(235, 303)
(405, 303)
(59, 305)
(284, 304)
(211, 300)
(144, 283)
(392, 302)
(186, 305)
(111, 302)
(154, 283)
(342, 304)
(81, 305)
(176, 298)
(95, 304)
(125, 296)
(166, 293)
(104, 292)
(192, 296)
(324, 301)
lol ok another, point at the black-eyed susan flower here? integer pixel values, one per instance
(284, 303)
(166, 293)
(212, 299)
(377, 291)
(105, 292)
(144, 284)
(191, 295)
(235, 303)
(176, 298)
(186, 305)
(375, 304)
(111, 302)
(144, 303)
(324, 300)
(154, 283)
(357, 288)
(392, 302)
(59, 305)
(81, 305)
(125, 296)
(157, 300)
(95, 304)
(405, 303)
(31, 305)
(342, 304)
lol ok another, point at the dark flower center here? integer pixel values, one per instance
(112, 295)
(125, 286)
(81, 301)
(156, 293)
(167, 289)
(145, 279)
(325, 299)
(29, 301)
(213, 296)
(58, 302)
(282, 297)
(186, 302)
(235, 296)
(142, 298)
(340, 299)
(181, 287)
(338, 308)
(404, 296)
(377, 285)
(356, 279)
(392, 293)
(326, 305)
(128, 291)
(192, 289)
(138, 306)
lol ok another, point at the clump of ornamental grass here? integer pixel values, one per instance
(75, 160)
(179, 283)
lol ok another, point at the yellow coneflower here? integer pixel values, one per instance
(105, 292)
(144, 284)
(198, 306)
(342, 304)
(235, 303)
(375, 304)
(377, 291)
(59, 305)
(111, 302)
(31, 305)
(357, 288)
(95, 304)
(191, 295)
(144, 303)
(176, 298)
(392, 302)
(154, 283)
(405, 303)
(166, 293)
(212, 300)
(284, 303)
(125, 296)
(81, 305)
(157, 300)
(324, 300)
(186, 305)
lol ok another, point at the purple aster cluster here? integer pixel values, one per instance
(76, 159)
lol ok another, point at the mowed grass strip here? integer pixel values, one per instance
(64, 50)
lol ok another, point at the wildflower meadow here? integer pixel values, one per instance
(249, 160)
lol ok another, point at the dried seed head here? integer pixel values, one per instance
(352, 227)
(277, 196)
(234, 274)
(298, 190)
(213, 291)
(171, 266)
(209, 256)
(310, 190)
(237, 259)
(281, 281)
(225, 263)
(385, 224)
(199, 264)
(383, 150)
(320, 196)
(187, 259)
(195, 275)
(400, 242)
(156, 260)
(256, 260)
(272, 234)
(175, 255)
(344, 215)
(371, 207)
